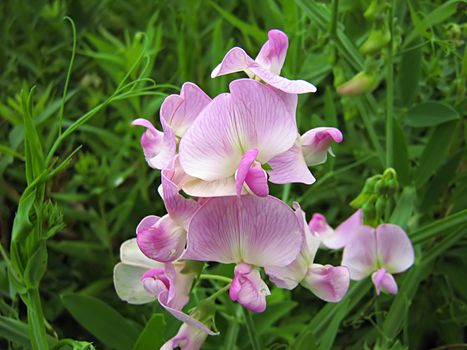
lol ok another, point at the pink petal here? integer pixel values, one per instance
(290, 167)
(273, 52)
(215, 188)
(316, 144)
(327, 282)
(338, 238)
(180, 111)
(251, 116)
(130, 254)
(163, 241)
(179, 208)
(290, 276)
(236, 60)
(360, 253)
(281, 83)
(248, 289)
(243, 168)
(394, 249)
(188, 337)
(251, 173)
(159, 148)
(254, 230)
(384, 281)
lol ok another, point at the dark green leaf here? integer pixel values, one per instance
(151, 337)
(428, 114)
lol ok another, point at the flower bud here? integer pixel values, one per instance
(377, 39)
(358, 85)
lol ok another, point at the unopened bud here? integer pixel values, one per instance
(359, 84)
(377, 39)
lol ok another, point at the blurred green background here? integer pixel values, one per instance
(98, 197)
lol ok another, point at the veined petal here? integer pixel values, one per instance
(394, 249)
(360, 254)
(128, 285)
(236, 60)
(216, 188)
(179, 208)
(281, 83)
(187, 338)
(180, 111)
(289, 167)
(327, 282)
(290, 276)
(130, 254)
(316, 144)
(338, 238)
(181, 316)
(159, 148)
(272, 54)
(384, 281)
(248, 289)
(254, 230)
(251, 173)
(251, 116)
(163, 241)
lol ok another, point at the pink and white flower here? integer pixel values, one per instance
(380, 252)
(177, 114)
(267, 65)
(249, 231)
(164, 238)
(327, 282)
(233, 138)
(187, 338)
(338, 238)
(140, 280)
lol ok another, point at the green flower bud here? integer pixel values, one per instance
(358, 85)
(377, 39)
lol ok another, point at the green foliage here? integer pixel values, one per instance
(74, 183)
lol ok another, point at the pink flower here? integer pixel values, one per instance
(338, 238)
(310, 149)
(248, 231)
(327, 282)
(177, 114)
(267, 65)
(187, 338)
(381, 252)
(233, 138)
(248, 288)
(140, 280)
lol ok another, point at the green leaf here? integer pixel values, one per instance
(428, 114)
(404, 208)
(151, 337)
(434, 152)
(17, 332)
(409, 74)
(101, 320)
(273, 313)
(36, 266)
(401, 160)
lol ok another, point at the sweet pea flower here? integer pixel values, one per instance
(187, 338)
(229, 145)
(177, 114)
(310, 149)
(249, 231)
(164, 238)
(267, 65)
(338, 238)
(327, 282)
(380, 252)
(140, 280)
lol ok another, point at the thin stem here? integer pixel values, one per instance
(68, 75)
(250, 327)
(335, 11)
(219, 292)
(390, 92)
(206, 276)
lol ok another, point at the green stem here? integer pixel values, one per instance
(390, 93)
(36, 320)
(250, 327)
(335, 11)
(219, 292)
(206, 276)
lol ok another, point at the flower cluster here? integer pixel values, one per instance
(222, 153)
